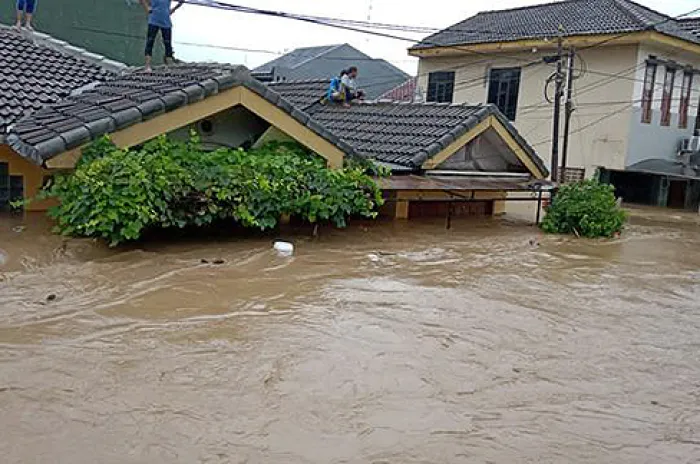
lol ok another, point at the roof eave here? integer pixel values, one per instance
(579, 41)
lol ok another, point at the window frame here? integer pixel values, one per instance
(505, 99)
(441, 85)
(686, 91)
(648, 91)
(667, 97)
(4, 185)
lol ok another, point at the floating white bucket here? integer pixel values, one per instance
(284, 248)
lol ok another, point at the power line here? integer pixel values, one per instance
(336, 23)
(591, 124)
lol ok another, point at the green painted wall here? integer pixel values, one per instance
(113, 28)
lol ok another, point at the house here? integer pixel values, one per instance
(376, 76)
(442, 155)
(446, 159)
(38, 70)
(636, 86)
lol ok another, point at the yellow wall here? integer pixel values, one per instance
(33, 176)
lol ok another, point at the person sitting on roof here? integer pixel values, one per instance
(159, 12)
(350, 84)
(343, 88)
(25, 8)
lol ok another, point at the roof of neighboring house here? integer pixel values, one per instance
(405, 92)
(296, 58)
(135, 97)
(691, 25)
(577, 17)
(666, 167)
(404, 134)
(38, 70)
(376, 76)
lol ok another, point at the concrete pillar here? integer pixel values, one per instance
(499, 207)
(402, 209)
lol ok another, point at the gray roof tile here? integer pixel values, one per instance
(577, 17)
(37, 71)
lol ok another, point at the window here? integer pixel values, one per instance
(648, 91)
(504, 85)
(571, 175)
(667, 96)
(685, 99)
(441, 86)
(16, 188)
(4, 185)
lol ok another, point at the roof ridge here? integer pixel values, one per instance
(66, 48)
(528, 7)
(625, 7)
(326, 49)
(300, 81)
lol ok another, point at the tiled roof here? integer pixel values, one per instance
(691, 25)
(577, 17)
(301, 93)
(135, 97)
(400, 134)
(36, 70)
(405, 134)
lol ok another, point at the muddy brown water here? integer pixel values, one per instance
(395, 343)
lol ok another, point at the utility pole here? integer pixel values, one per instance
(568, 110)
(558, 79)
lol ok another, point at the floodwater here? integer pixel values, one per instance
(390, 343)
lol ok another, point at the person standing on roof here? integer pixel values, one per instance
(159, 12)
(25, 10)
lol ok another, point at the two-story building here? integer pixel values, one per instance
(635, 91)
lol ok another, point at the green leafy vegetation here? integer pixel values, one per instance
(587, 209)
(117, 195)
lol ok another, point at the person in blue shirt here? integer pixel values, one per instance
(25, 8)
(159, 12)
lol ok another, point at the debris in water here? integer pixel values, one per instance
(284, 248)
(204, 261)
(655, 403)
(374, 257)
(534, 242)
(18, 229)
(218, 261)
(51, 297)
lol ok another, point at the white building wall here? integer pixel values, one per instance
(652, 140)
(603, 99)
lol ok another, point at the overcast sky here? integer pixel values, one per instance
(202, 25)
